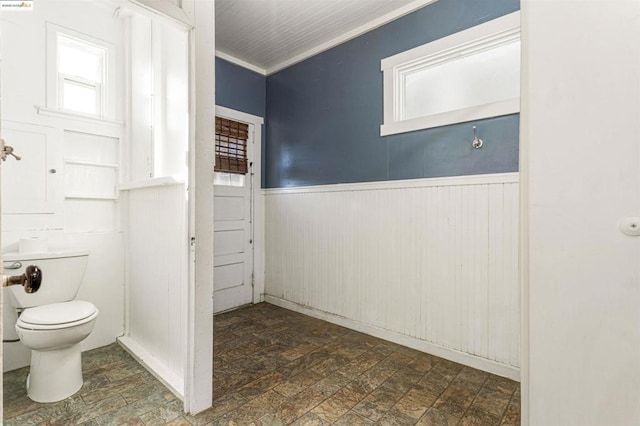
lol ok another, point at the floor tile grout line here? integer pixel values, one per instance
(504, 412)
(474, 398)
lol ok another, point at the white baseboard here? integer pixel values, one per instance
(473, 361)
(153, 365)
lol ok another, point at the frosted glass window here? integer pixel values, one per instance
(79, 97)
(466, 76)
(228, 179)
(482, 78)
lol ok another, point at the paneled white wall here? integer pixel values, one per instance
(64, 188)
(431, 263)
(157, 251)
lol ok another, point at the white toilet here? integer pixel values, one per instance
(51, 323)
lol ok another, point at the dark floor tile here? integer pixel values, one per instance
(512, 414)
(298, 351)
(132, 411)
(266, 403)
(267, 420)
(86, 413)
(330, 384)
(179, 421)
(471, 379)
(164, 413)
(310, 419)
(274, 367)
(260, 385)
(396, 418)
(447, 369)
(454, 400)
(477, 417)
(360, 364)
(433, 383)
(227, 403)
(501, 384)
(494, 403)
(337, 405)
(353, 419)
(296, 384)
(294, 408)
(415, 402)
(435, 417)
(378, 402)
(109, 389)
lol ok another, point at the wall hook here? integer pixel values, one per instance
(477, 142)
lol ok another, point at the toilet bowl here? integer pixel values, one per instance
(53, 332)
(51, 323)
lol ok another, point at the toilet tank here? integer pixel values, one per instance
(62, 273)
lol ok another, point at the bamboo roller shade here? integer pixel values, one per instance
(231, 146)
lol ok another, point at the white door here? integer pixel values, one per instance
(233, 238)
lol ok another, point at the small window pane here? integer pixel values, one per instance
(78, 60)
(79, 97)
(482, 78)
(228, 179)
(221, 179)
(237, 180)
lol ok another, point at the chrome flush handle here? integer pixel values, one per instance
(7, 150)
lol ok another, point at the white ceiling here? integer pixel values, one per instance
(273, 34)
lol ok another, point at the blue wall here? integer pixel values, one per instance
(242, 90)
(324, 114)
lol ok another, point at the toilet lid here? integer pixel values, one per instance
(58, 313)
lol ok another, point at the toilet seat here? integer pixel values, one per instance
(57, 315)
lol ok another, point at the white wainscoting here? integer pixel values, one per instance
(157, 279)
(428, 263)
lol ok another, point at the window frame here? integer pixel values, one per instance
(496, 33)
(105, 90)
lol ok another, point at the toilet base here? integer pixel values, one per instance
(55, 375)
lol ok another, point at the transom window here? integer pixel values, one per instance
(469, 75)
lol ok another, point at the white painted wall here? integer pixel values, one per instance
(155, 185)
(68, 221)
(581, 176)
(157, 249)
(430, 263)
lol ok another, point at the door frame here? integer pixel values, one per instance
(257, 196)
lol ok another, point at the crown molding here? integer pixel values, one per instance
(240, 62)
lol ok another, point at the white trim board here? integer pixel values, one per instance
(399, 184)
(402, 339)
(239, 115)
(153, 366)
(240, 62)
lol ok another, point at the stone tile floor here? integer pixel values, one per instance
(273, 367)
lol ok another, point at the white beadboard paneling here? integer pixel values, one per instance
(434, 260)
(157, 272)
